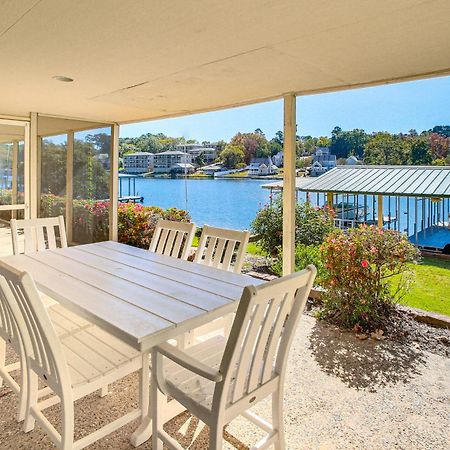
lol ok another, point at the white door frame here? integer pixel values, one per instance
(26, 205)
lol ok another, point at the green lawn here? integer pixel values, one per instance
(431, 290)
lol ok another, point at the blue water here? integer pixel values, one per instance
(233, 203)
(229, 203)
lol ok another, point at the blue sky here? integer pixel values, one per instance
(394, 108)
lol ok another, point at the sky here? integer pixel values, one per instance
(394, 108)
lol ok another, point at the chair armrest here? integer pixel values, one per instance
(186, 361)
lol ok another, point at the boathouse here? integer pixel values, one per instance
(411, 199)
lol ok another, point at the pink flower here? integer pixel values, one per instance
(365, 263)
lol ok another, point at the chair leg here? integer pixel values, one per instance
(278, 419)
(68, 425)
(156, 412)
(2, 357)
(32, 397)
(23, 392)
(104, 391)
(215, 436)
(144, 388)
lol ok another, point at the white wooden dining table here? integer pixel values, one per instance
(140, 297)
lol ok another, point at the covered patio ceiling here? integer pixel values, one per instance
(133, 60)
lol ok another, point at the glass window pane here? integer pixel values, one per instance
(91, 168)
(53, 176)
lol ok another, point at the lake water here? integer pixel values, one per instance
(229, 203)
(233, 203)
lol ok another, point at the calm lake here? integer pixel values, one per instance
(229, 203)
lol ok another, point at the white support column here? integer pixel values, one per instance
(289, 191)
(14, 181)
(33, 188)
(114, 184)
(69, 186)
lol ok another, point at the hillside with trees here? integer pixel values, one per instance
(430, 147)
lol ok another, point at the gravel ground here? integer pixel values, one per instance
(341, 393)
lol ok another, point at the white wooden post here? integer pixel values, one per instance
(114, 184)
(69, 186)
(289, 191)
(14, 179)
(32, 178)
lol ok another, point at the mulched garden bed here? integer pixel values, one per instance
(403, 327)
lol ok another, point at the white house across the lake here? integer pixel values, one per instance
(262, 167)
(137, 163)
(166, 162)
(323, 161)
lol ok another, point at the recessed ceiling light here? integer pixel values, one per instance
(63, 78)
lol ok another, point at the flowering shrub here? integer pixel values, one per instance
(136, 223)
(311, 225)
(368, 269)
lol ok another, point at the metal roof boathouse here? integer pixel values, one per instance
(410, 199)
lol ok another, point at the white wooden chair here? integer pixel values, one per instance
(39, 234)
(65, 322)
(72, 367)
(220, 379)
(173, 238)
(222, 248)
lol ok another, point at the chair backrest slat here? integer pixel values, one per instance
(172, 238)
(222, 248)
(39, 234)
(42, 348)
(51, 237)
(40, 237)
(258, 345)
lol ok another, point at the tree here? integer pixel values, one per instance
(279, 137)
(385, 148)
(253, 144)
(199, 160)
(420, 151)
(345, 143)
(439, 146)
(443, 130)
(232, 156)
(323, 141)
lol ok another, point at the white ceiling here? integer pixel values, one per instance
(142, 59)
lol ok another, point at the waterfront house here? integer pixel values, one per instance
(262, 167)
(182, 168)
(211, 169)
(207, 154)
(352, 161)
(165, 162)
(322, 162)
(278, 159)
(138, 163)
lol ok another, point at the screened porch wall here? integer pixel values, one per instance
(74, 177)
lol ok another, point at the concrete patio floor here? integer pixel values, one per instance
(341, 393)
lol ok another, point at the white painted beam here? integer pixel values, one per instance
(69, 186)
(114, 184)
(289, 191)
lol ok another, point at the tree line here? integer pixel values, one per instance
(428, 147)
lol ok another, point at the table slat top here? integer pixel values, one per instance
(141, 297)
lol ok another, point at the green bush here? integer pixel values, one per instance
(311, 225)
(304, 255)
(368, 269)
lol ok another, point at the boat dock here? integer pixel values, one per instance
(414, 200)
(129, 181)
